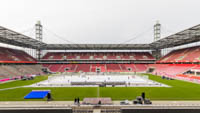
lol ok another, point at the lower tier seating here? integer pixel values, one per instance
(96, 67)
(171, 69)
(177, 71)
(11, 71)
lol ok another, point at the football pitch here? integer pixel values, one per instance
(179, 90)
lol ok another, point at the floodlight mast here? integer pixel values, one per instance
(38, 36)
(157, 31)
(157, 34)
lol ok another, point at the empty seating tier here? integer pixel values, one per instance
(8, 55)
(96, 67)
(12, 71)
(190, 55)
(98, 56)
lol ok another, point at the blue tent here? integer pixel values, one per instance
(37, 94)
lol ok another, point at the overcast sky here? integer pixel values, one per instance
(99, 21)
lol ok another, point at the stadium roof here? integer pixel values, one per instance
(97, 47)
(187, 36)
(8, 36)
(183, 37)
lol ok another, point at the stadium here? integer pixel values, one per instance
(160, 76)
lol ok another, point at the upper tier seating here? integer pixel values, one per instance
(8, 55)
(98, 56)
(191, 54)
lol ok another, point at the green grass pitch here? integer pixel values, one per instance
(179, 90)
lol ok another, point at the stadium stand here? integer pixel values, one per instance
(171, 69)
(140, 67)
(98, 56)
(16, 63)
(113, 68)
(185, 55)
(83, 68)
(19, 60)
(96, 67)
(101, 61)
(8, 55)
(187, 72)
(15, 70)
(180, 64)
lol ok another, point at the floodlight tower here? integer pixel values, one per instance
(157, 31)
(38, 36)
(157, 34)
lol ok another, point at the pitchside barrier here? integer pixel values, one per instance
(36, 110)
(160, 110)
